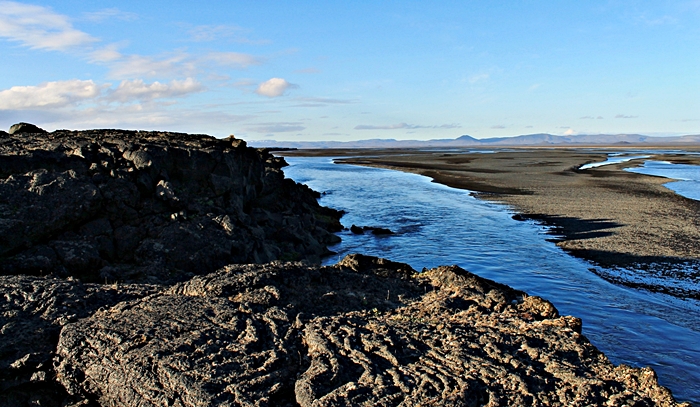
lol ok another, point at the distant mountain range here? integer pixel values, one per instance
(540, 139)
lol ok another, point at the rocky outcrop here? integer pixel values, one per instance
(25, 128)
(363, 332)
(114, 205)
(360, 230)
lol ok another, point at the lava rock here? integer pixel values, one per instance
(366, 331)
(357, 230)
(150, 206)
(32, 312)
(379, 231)
(374, 230)
(22, 127)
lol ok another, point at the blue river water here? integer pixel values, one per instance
(437, 225)
(687, 176)
(614, 158)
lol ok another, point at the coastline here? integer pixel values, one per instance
(605, 215)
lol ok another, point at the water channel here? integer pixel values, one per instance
(438, 225)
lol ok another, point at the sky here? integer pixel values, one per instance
(340, 70)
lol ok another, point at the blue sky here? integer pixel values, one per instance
(353, 70)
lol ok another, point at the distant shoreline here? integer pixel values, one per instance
(540, 140)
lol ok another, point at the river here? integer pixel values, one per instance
(437, 225)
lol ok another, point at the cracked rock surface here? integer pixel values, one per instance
(363, 332)
(32, 312)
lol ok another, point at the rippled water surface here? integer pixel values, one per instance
(437, 225)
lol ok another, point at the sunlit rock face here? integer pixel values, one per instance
(366, 331)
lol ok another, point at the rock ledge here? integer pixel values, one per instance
(366, 331)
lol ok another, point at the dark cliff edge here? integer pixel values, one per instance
(114, 205)
(124, 282)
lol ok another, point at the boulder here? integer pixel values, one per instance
(379, 231)
(373, 229)
(357, 230)
(22, 127)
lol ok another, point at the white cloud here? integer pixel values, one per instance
(405, 126)
(244, 83)
(137, 66)
(308, 70)
(278, 127)
(212, 32)
(233, 33)
(655, 21)
(132, 116)
(235, 59)
(385, 127)
(49, 95)
(274, 87)
(55, 95)
(128, 91)
(623, 116)
(569, 132)
(106, 54)
(39, 27)
(110, 14)
(326, 100)
(180, 64)
(320, 101)
(478, 78)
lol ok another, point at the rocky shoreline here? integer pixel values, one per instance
(127, 279)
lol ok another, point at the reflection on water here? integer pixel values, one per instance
(437, 225)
